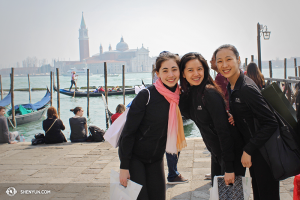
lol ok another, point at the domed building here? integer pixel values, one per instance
(122, 46)
(135, 60)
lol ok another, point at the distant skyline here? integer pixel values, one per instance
(49, 29)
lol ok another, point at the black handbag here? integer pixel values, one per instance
(97, 133)
(281, 151)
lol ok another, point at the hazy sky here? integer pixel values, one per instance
(49, 29)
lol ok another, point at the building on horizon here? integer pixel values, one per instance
(135, 60)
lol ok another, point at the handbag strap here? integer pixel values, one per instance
(148, 97)
(51, 126)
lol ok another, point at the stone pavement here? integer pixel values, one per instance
(80, 171)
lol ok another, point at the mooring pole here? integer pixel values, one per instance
(51, 89)
(270, 69)
(1, 87)
(285, 68)
(29, 90)
(295, 64)
(252, 58)
(246, 64)
(12, 97)
(123, 83)
(58, 94)
(88, 92)
(106, 93)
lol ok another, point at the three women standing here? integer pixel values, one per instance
(254, 120)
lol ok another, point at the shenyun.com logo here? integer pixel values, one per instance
(11, 191)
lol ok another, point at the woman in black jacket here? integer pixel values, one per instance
(254, 120)
(52, 127)
(202, 101)
(145, 136)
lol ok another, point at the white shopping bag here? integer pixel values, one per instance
(246, 182)
(112, 135)
(119, 192)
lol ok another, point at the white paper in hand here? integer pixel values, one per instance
(119, 192)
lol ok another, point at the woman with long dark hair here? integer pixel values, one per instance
(254, 120)
(254, 73)
(153, 127)
(203, 102)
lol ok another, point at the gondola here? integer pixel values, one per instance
(94, 94)
(39, 109)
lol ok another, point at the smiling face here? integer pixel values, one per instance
(169, 73)
(228, 63)
(193, 72)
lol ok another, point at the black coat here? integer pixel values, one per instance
(145, 132)
(252, 115)
(208, 111)
(54, 135)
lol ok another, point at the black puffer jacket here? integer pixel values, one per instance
(208, 111)
(252, 115)
(145, 132)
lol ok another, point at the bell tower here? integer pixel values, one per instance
(84, 51)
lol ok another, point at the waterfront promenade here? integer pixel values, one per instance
(82, 171)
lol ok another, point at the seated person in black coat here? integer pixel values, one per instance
(52, 127)
(78, 125)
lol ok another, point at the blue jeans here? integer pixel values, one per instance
(172, 161)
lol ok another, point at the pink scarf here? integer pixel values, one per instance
(175, 136)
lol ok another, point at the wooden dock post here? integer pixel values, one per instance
(51, 89)
(58, 96)
(152, 73)
(252, 58)
(270, 69)
(12, 97)
(123, 83)
(1, 87)
(106, 93)
(29, 90)
(285, 68)
(299, 70)
(295, 64)
(88, 93)
(246, 64)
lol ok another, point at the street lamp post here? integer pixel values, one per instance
(261, 30)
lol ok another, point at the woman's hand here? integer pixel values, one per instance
(246, 160)
(230, 119)
(124, 175)
(229, 178)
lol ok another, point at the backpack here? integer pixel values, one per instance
(97, 133)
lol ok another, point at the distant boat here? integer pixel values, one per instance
(94, 94)
(79, 72)
(110, 75)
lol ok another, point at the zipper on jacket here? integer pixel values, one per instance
(157, 146)
(144, 134)
(248, 128)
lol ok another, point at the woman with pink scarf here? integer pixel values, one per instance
(153, 127)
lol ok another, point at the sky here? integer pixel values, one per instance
(49, 29)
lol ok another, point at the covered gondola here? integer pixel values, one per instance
(26, 113)
(94, 94)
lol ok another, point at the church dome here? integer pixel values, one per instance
(122, 46)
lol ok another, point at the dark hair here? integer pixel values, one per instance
(75, 110)
(1, 107)
(120, 108)
(254, 73)
(51, 112)
(207, 79)
(164, 56)
(230, 47)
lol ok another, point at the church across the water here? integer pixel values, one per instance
(135, 60)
